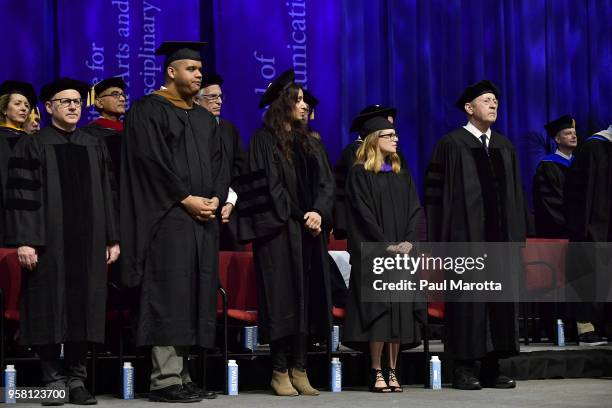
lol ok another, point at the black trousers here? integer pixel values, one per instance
(71, 371)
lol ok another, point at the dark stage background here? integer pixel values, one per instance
(549, 57)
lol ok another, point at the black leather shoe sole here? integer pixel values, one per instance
(161, 398)
(468, 386)
(504, 385)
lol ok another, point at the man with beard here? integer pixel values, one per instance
(173, 178)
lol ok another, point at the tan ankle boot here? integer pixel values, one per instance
(299, 379)
(281, 385)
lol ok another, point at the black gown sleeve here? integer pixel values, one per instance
(413, 212)
(549, 182)
(360, 204)
(264, 204)
(25, 199)
(111, 197)
(438, 190)
(324, 200)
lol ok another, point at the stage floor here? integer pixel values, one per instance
(574, 393)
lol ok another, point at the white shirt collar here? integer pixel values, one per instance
(477, 133)
(560, 153)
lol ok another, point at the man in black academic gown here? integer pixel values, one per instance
(347, 159)
(109, 99)
(474, 194)
(63, 221)
(549, 179)
(589, 219)
(173, 176)
(211, 98)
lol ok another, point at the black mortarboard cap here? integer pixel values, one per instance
(374, 124)
(557, 125)
(276, 87)
(113, 82)
(23, 88)
(178, 50)
(475, 90)
(371, 111)
(211, 79)
(49, 90)
(310, 99)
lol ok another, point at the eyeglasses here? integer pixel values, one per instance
(390, 136)
(116, 95)
(214, 97)
(65, 102)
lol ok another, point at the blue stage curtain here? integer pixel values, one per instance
(549, 57)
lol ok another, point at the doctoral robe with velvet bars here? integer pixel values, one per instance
(472, 196)
(293, 284)
(59, 201)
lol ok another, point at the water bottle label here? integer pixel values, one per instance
(128, 383)
(232, 382)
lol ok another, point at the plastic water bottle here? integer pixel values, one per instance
(560, 333)
(249, 336)
(10, 384)
(128, 381)
(435, 373)
(335, 337)
(336, 375)
(232, 377)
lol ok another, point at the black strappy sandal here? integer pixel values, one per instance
(376, 375)
(392, 376)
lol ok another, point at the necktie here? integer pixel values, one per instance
(483, 139)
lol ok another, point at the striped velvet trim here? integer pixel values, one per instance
(23, 163)
(18, 183)
(22, 204)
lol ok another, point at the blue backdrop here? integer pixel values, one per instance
(549, 57)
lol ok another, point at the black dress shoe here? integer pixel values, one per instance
(194, 389)
(173, 393)
(464, 379)
(501, 381)
(80, 396)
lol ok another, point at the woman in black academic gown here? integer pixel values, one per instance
(383, 206)
(285, 208)
(16, 102)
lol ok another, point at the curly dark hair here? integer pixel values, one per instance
(280, 114)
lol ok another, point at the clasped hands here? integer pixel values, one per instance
(312, 221)
(201, 208)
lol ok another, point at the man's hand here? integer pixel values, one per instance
(312, 221)
(200, 208)
(27, 257)
(112, 253)
(401, 248)
(226, 212)
(315, 232)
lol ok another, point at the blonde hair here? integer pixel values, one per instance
(4, 103)
(370, 156)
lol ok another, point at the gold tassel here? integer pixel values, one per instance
(574, 123)
(312, 114)
(91, 96)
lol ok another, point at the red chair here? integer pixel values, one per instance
(10, 290)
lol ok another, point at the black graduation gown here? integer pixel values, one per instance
(383, 207)
(8, 138)
(112, 138)
(169, 153)
(473, 197)
(548, 198)
(589, 191)
(589, 218)
(293, 285)
(341, 171)
(59, 200)
(237, 157)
